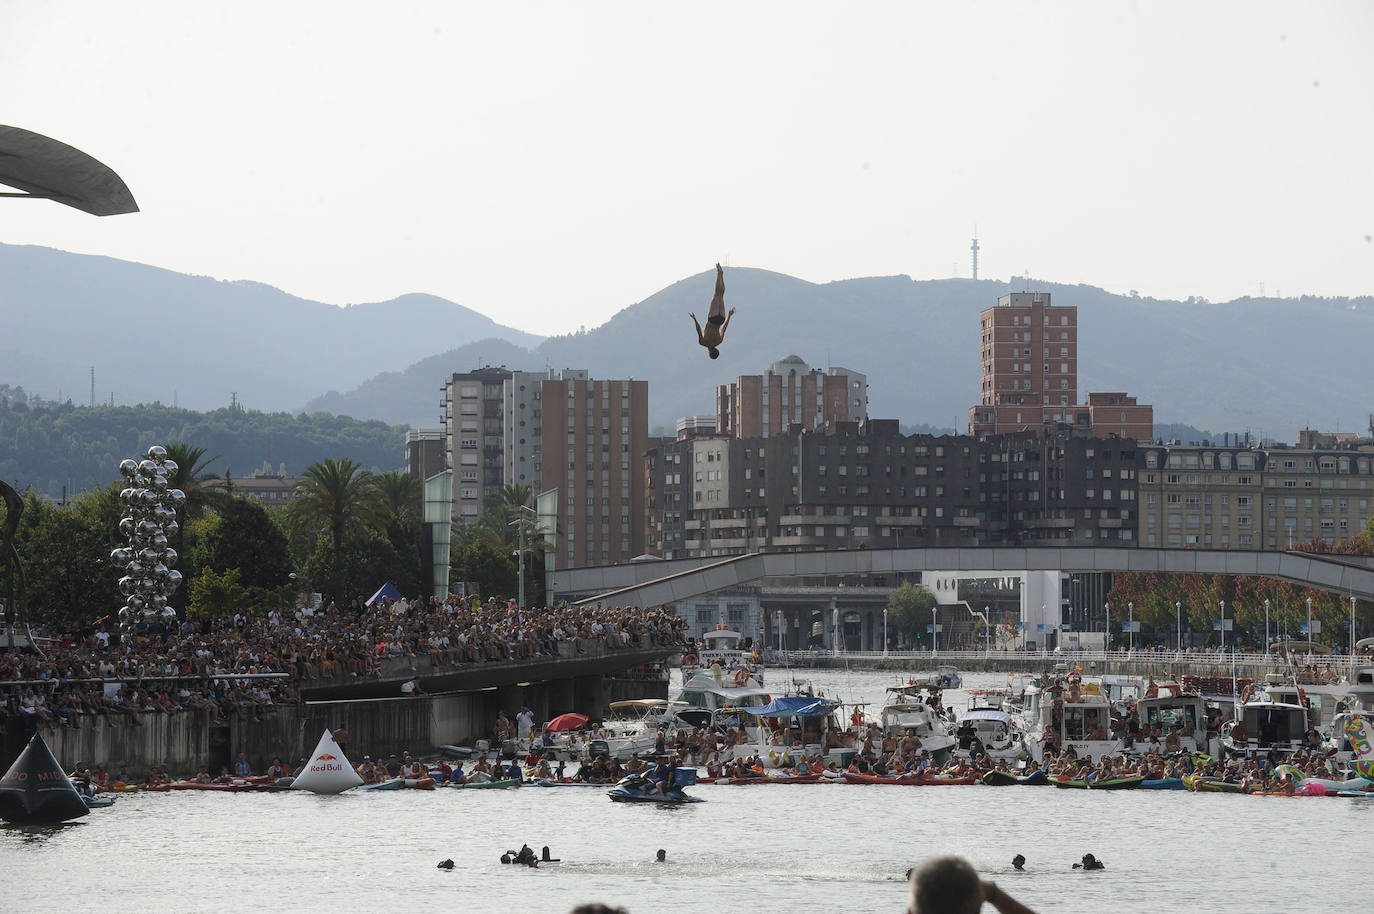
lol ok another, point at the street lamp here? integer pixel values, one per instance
(1107, 635)
(987, 630)
(1266, 629)
(1309, 624)
(934, 630)
(1223, 626)
(1352, 637)
(884, 631)
(1130, 627)
(1178, 623)
(520, 555)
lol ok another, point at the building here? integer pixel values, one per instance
(790, 393)
(473, 438)
(426, 452)
(1242, 497)
(270, 490)
(1029, 351)
(594, 435)
(852, 485)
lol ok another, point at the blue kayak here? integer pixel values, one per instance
(1163, 784)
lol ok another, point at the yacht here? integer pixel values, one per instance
(908, 713)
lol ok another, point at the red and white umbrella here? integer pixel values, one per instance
(567, 722)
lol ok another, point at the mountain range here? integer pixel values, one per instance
(1265, 365)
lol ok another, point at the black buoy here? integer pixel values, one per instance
(544, 856)
(36, 790)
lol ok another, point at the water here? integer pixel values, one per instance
(828, 847)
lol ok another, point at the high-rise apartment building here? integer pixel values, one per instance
(586, 438)
(790, 393)
(1029, 365)
(1030, 377)
(473, 432)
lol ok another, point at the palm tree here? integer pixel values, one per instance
(338, 496)
(400, 499)
(203, 489)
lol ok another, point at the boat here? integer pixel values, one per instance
(638, 788)
(777, 779)
(1200, 784)
(996, 778)
(1171, 708)
(498, 785)
(723, 647)
(1269, 720)
(1069, 711)
(1163, 784)
(793, 727)
(1113, 784)
(908, 712)
(388, 784)
(991, 731)
(910, 780)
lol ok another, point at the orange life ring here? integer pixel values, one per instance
(742, 676)
(1074, 678)
(689, 660)
(1246, 695)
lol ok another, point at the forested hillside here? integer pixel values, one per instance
(47, 446)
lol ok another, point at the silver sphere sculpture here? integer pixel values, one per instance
(150, 505)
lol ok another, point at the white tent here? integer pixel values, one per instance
(327, 771)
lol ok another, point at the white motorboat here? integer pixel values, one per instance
(1172, 709)
(1070, 712)
(997, 734)
(908, 713)
(723, 648)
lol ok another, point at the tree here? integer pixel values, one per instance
(398, 513)
(214, 594)
(366, 559)
(67, 564)
(242, 536)
(335, 497)
(908, 608)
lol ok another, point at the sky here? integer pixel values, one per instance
(548, 164)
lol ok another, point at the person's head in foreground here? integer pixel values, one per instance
(945, 885)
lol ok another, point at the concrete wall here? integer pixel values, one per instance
(185, 741)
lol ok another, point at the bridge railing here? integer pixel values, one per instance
(1244, 663)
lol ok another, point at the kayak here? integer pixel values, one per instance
(493, 785)
(456, 751)
(781, 779)
(852, 778)
(1213, 785)
(547, 783)
(1163, 784)
(1114, 784)
(97, 802)
(389, 784)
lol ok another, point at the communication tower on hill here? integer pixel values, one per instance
(974, 249)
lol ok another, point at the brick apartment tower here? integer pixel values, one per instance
(788, 394)
(1030, 365)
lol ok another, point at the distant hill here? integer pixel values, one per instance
(153, 335)
(1269, 366)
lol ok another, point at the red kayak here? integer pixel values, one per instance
(780, 779)
(923, 780)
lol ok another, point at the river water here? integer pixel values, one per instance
(825, 847)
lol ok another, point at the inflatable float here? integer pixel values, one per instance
(328, 771)
(35, 790)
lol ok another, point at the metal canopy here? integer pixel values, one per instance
(45, 168)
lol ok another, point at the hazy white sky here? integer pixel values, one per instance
(548, 164)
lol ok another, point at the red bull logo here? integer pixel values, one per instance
(326, 757)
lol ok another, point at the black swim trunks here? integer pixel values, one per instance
(716, 319)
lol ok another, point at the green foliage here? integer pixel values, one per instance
(242, 536)
(909, 609)
(489, 565)
(66, 562)
(367, 560)
(49, 446)
(215, 594)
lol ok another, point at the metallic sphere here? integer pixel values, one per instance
(171, 466)
(127, 468)
(157, 451)
(147, 468)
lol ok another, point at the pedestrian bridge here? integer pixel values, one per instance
(655, 583)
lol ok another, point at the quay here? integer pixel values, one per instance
(1160, 664)
(454, 705)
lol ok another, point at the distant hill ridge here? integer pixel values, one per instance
(1269, 366)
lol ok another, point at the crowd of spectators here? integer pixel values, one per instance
(91, 675)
